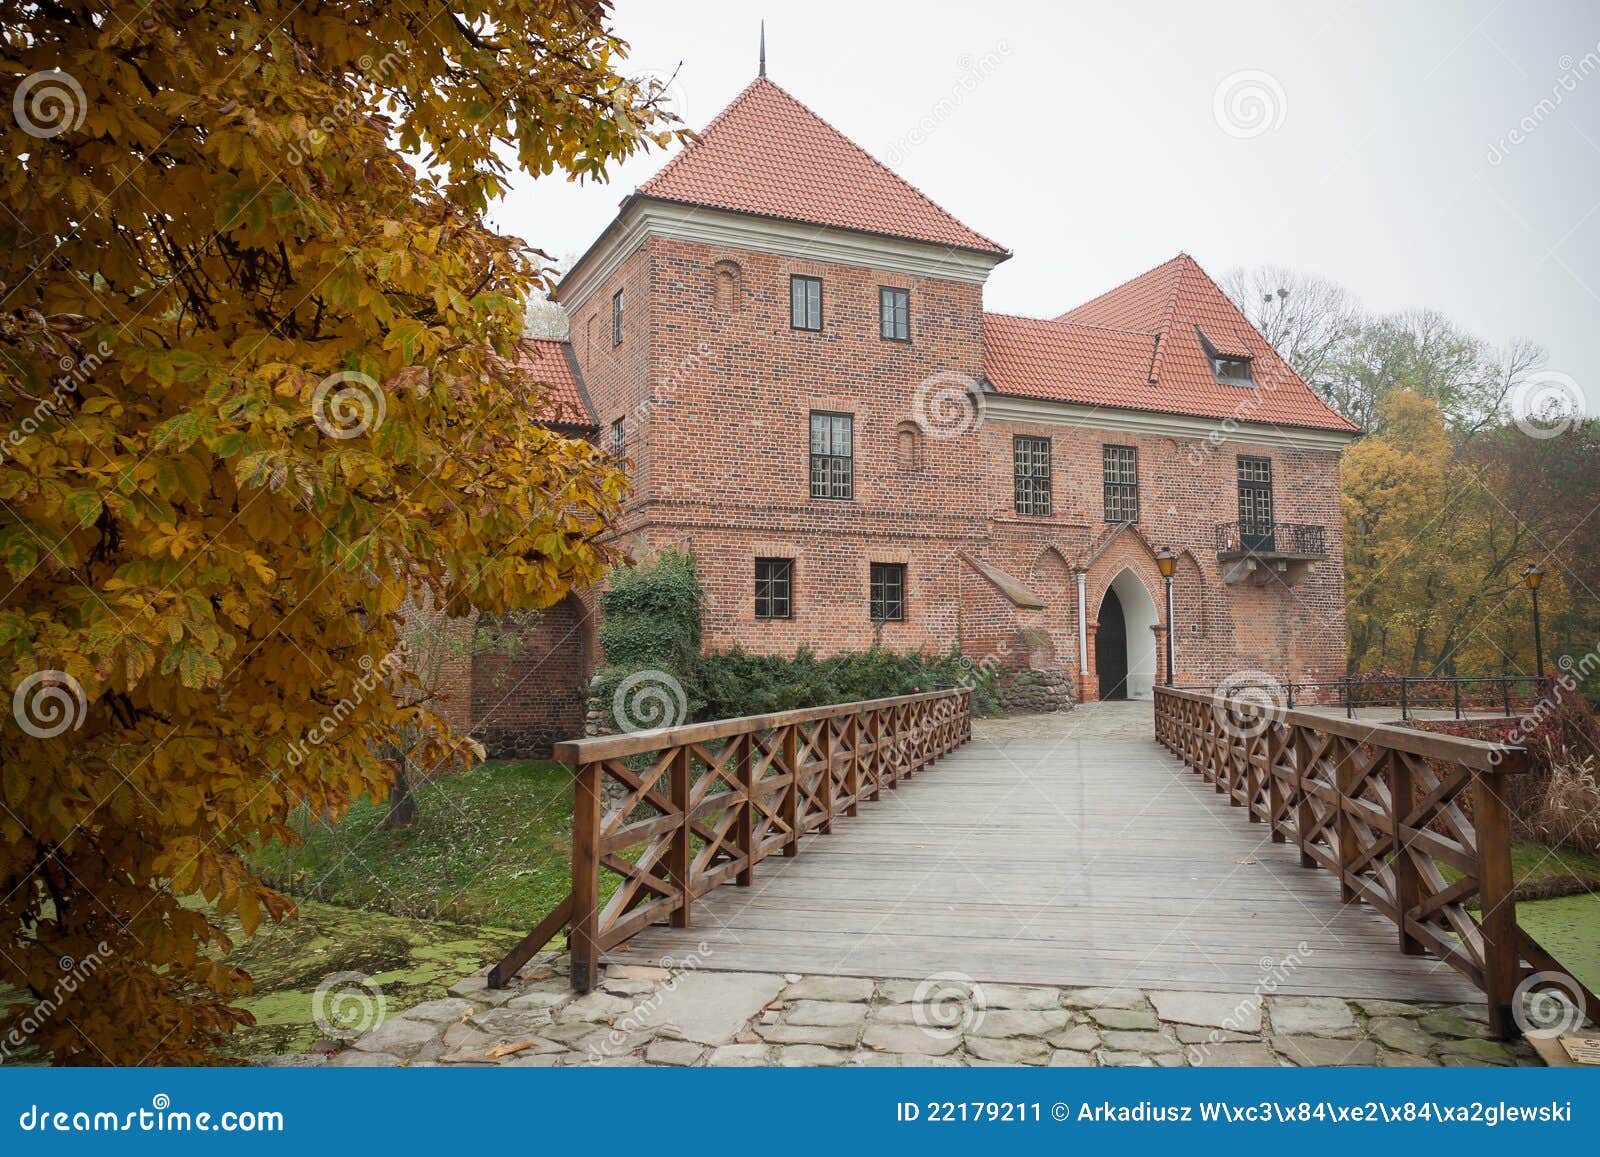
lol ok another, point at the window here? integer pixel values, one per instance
(1030, 458)
(616, 318)
(1232, 371)
(1122, 484)
(774, 588)
(1230, 367)
(1255, 503)
(894, 313)
(832, 459)
(888, 592)
(619, 439)
(805, 303)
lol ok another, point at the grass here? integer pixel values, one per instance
(1534, 862)
(489, 846)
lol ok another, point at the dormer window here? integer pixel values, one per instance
(1232, 371)
(1230, 362)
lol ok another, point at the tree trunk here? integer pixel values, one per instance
(402, 804)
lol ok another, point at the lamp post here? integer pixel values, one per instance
(1533, 575)
(1167, 564)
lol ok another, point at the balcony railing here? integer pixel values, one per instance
(1283, 539)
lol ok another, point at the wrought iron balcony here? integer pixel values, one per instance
(1287, 540)
(1262, 553)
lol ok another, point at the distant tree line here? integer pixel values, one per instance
(1477, 460)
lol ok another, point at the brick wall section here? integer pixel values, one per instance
(536, 695)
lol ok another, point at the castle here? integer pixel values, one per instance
(788, 345)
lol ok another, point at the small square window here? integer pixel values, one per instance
(805, 303)
(774, 588)
(832, 455)
(894, 313)
(616, 318)
(1030, 463)
(887, 596)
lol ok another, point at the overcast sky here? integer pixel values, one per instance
(1399, 148)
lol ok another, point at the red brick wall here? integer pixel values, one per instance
(533, 695)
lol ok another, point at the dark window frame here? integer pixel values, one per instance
(616, 319)
(1119, 469)
(1032, 477)
(898, 318)
(1256, 501)
(837, 470)
(619, 438)
(771, 598)
(886, 592)
(795, 281)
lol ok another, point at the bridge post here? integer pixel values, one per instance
(585, 875)
(1502, 959)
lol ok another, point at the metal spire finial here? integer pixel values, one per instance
(763, 48)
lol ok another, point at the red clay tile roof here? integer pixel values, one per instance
(768, 154)
(1106, 353)
(550, 364)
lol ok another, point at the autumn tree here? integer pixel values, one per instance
(253, 396)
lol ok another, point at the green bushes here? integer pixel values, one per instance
(738, 683)
(651, 640)
(655, 674)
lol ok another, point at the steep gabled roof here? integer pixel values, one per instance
(770, 155)
(1139, 347)
(551, 365)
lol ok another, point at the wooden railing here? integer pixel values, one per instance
(662, 817)
(1387, 810)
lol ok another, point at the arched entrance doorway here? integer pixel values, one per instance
(1124, 644)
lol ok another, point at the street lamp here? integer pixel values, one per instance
(1533, 575)
(1167, 564)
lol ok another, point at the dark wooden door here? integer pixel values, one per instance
(1111, 649)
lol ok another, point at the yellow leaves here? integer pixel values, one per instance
(190, 545)
(176, 541)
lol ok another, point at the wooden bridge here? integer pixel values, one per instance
(1065, 859)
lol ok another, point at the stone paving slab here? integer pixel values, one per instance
(642, 1015)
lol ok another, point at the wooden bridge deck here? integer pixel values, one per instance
(1077, 858)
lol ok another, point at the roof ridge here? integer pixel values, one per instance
(1124, 284)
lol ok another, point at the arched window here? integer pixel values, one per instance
(908, 446)
(728, 278)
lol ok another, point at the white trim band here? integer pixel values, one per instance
(642, 218)
(1181, 426)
